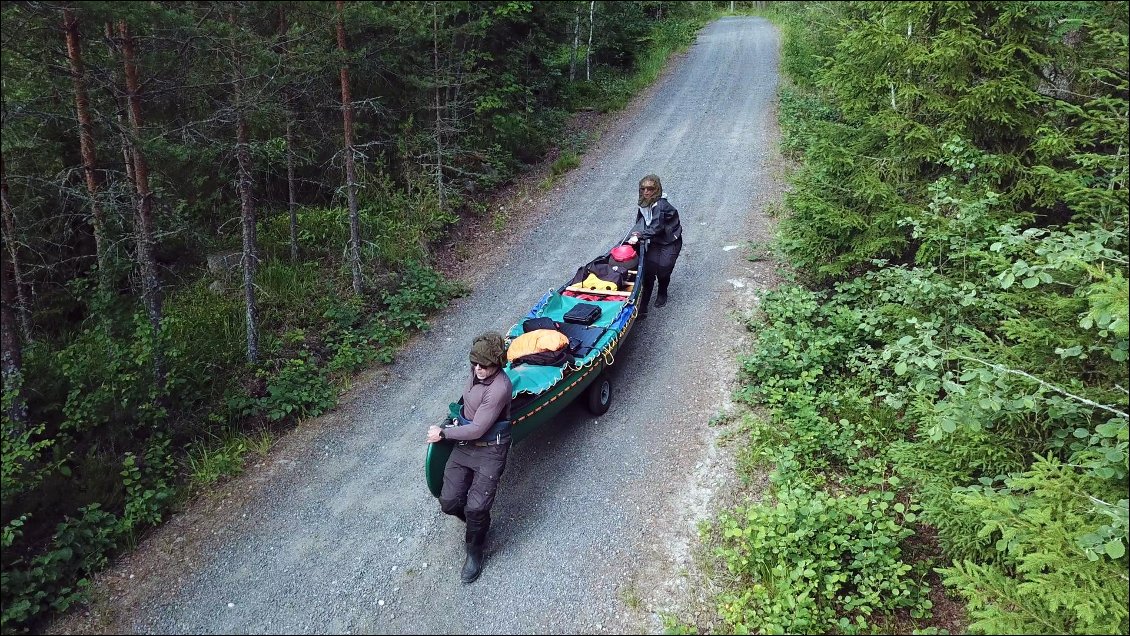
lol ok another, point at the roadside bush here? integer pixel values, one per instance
(110, 379)
(1061, 565)
(150, 486)
(970, 339)
(297, 389)
(55, 578)
(812, 562)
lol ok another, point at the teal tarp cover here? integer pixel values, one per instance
(535, 378)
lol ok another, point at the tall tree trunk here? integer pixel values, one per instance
(23, 307)
(123, 126)
(150, 287)
(439, 116)
(11, 301)
(576, 41)
(11, 353)
(288, 99)
(350, 174)
(292, 200)
(246, 205)
(588, 51)
(86, 145)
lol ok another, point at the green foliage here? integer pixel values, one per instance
(962, 203)
(424, 290)
(395, 227)
(906, 80)
(566, 162)
(797, 562)
(398, 224)
(611, 90)
(1043, 582)
(208, 461)
(149, 487)
(205, 333)
(322, 232)
(56, 578)
(791, 362)
(297, 389)
(110, 377)
(285, 288)
(811, 562)
(938, 468)
(499, 71)
(22, 454)
(672, 625)
(801, 47)
(302, 385)
(795, 109)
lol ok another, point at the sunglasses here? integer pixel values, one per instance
(482, 366)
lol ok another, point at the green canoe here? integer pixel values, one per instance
(540, 392)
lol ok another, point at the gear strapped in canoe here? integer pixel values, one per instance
(535, 379)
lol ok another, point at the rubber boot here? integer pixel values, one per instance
(645, 296)
(473, 566)
(661, 299)
(478, 524)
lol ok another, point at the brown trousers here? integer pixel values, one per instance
(470, 482)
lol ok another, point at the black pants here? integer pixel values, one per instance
(658, 265)
(470, 481)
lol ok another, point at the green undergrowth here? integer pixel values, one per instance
(940, 402)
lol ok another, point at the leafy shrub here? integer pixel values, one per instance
(55, 578)
(796, 346)
(811, 562)
(973, 251)
(110, 378)
(798, 110)
(422, 290)
(149, 487)
(22, 455)
(298, 389)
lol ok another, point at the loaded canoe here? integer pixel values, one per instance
(541, 392)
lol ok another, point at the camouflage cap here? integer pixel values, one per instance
(488, 350)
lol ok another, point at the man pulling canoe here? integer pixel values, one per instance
(482, 441)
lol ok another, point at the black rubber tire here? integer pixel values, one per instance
(599, 395)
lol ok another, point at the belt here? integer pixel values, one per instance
(493, 442)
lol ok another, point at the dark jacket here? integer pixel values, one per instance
(665, 227)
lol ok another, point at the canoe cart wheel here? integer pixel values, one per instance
(600, 395)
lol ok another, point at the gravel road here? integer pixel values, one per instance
(336, 532)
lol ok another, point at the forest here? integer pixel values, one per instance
(215, 213)
(940, 395)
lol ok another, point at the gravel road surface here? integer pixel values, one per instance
(336, 532)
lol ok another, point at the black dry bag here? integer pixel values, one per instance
(582, 314)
